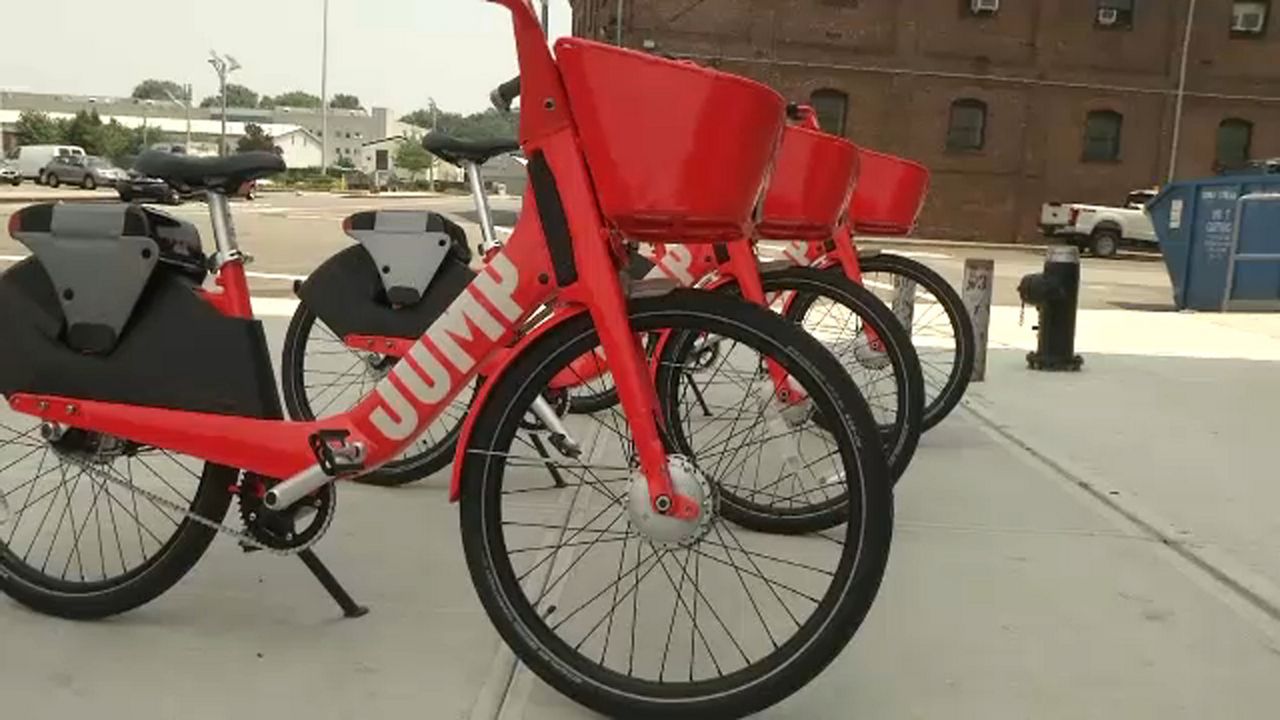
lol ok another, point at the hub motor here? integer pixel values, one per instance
(665, 531)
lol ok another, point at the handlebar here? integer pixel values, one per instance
(505, 94)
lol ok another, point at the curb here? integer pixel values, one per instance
(1226, 572)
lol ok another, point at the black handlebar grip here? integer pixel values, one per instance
(505, 94)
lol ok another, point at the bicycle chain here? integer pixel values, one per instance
(243, 536)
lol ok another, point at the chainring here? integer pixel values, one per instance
(295, 528)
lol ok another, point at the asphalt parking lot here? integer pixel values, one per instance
(290, 234)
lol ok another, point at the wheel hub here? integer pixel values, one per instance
(665, 531)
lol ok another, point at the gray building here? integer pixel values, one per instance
(353, 135)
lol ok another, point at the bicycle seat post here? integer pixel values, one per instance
(485, 215)
(224, 230)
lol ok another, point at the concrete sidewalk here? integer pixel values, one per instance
(1013, 592)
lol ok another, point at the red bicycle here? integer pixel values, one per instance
(353, 323)
(624, 589)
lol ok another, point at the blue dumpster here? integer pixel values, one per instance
(1221, 241)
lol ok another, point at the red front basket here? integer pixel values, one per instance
(678, 153)
(812, 182)
(890, 194)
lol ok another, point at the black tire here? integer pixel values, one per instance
(88, 183)
(429, 454)
(947, 369)
(892, 372)
(51, 180)
(16, 182)
(91, 597)
(582, 402)
(901, 416)
(1104, 243)
(125, 195)
(860, 547)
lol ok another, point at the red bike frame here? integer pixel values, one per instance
(476, 328)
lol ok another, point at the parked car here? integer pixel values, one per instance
(140, 188)
(87, 171)
(33, 159)
(9, 173)
(1100, 229)
(1269, 166)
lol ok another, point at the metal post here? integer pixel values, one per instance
(979, 285)
(435, 116)
(546, 17)
(618, 28)
(222, 84)
(187, 90)
(324, 91)
(1182, 90)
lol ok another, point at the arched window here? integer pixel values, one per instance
(967, 127)
(1235, 136)
(832, 107)
(1102, 136)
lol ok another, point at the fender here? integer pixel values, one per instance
(494, 370)
(347, 293)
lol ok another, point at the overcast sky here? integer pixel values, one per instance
(391, 53)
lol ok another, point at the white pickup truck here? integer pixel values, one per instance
(1100, 229)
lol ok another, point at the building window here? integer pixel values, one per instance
(967, 128)
(979, 8)
(1235, 136)
(1102, 136)
(832, 107)
(1114, 14)
(1249, 18)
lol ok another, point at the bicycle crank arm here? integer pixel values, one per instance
(558, 433)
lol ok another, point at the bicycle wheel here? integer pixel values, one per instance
(936, 320)
(634, 615)
(883, 365)
(85, 530)
(321, 376)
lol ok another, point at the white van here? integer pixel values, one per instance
(32, 159)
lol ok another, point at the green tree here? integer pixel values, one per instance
(152, 89)
(85, 130)
(296, 99)
(255, 138)
(485, 125)
(343, 101)
(411, 156)
(117, 142)
(345, 163)
(37, 128)
(238, 96)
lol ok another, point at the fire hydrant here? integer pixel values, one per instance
(1055, 293)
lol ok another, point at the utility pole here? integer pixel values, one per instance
(324, 91)
(435, 116)
(1182, 91)
(546, 17)
(224, 65)
(186, 101)
(618, 23)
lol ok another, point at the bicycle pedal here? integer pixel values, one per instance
(335, 454)
(564, 445)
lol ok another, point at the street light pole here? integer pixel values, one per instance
(435, 114)
(224, 65)
(1182, 92)
(324, 90)
(546, 17)
(185, 101)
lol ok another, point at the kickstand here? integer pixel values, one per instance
(702, 402)
(336, 591)
(541, 447)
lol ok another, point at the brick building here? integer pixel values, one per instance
(1010, 103)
